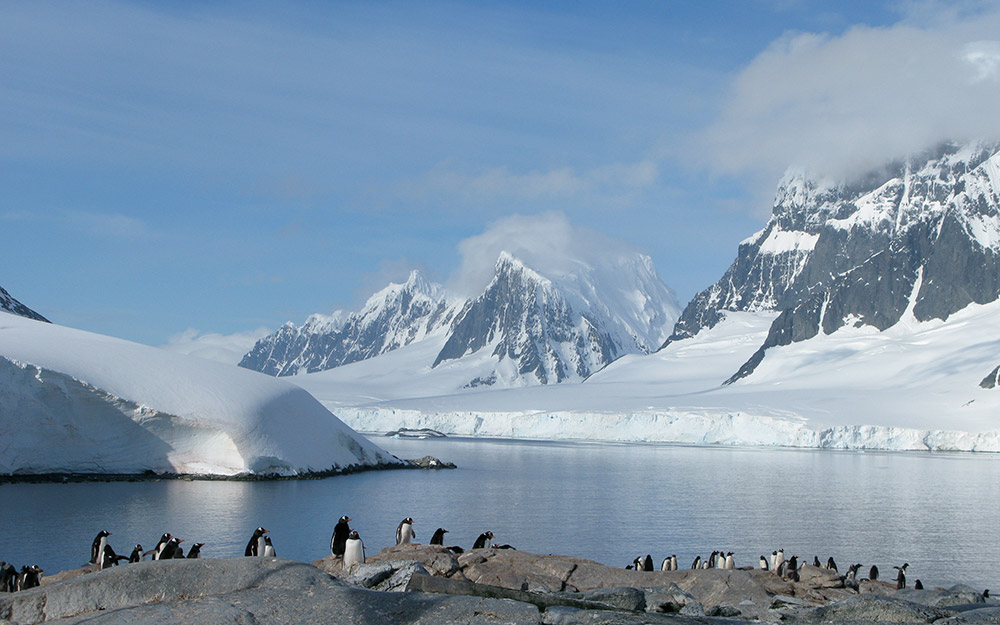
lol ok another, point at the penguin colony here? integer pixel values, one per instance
(346, 544)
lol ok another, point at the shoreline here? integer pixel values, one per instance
(426, 463)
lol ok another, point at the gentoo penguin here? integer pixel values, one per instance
(155, 551)
(901, 576)
(730, 563)
(696, 564)
(110, 558)
(8, 577)
(170, 548)
(438, 537)
(665, 566)
(483, 540)
(269, 548)
(851, 581)
(779, 558)
(354, 550)
(136, 554)
(792, 568)
(831, 565)
(873, 573)
(711, 560)
(918, 585)
(195, 550)
(816, 562)
(673, 562)
(404, 532)
(97, 547)
(637, 563)
(647, 563)
(763, 564)
(31, 576)
(178, 553)
(255, 547)
(774, 560)
(340, 533)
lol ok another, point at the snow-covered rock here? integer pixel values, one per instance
(73, 401)
(11, 305)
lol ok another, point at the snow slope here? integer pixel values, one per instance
(72, 401)
(914, 386)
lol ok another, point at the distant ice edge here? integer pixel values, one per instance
(684, 427)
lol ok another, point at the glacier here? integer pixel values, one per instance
(77, 402)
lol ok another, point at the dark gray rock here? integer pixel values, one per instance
(621, 597)
(875, 609)
(11, 305)
(956, 595)
(573, 616)
(981, 616)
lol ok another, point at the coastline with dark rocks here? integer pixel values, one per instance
(410, 584)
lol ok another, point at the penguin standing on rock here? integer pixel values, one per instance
(918, 585)
(763, 564)
(98, 546)
(195, 550)
(901, 576)
(30, 577)
(873, 573)
(158, 549)
(340, 533)
(255, 547)
(647, 563)
(269, 551)
(136, 554)
(831, 565)
(8, 577)
(354, 550)
(170, 549)
(696, 564)
(483, 541)
(438, 537)
(404, 532)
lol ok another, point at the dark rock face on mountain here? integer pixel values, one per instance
(921, 236)
(392, 318)
(532, 324)
(11, 305)
(538, 329)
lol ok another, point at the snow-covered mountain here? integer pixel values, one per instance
(72, 401)
(533, 328)
(11, 305)
(395, 316)
(922, 235)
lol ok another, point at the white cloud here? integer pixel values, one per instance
(548, 243)
(841, 104)
(226, 348)
(607, 181)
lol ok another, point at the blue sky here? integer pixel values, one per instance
(176, 166)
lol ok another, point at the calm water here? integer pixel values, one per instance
(606, 502)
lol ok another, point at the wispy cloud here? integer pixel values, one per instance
(109, 225)
(842, 104)
(500, 183)
(227, 348)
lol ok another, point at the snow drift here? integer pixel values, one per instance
(73, 401)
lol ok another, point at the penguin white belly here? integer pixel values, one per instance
(269, 551)
(261, 546)
(100, 551)
(354, 552)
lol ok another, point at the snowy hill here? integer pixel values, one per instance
(392, 318)
(13, 306)
(876, 302)
(524, 328)
(923, 234)
(72, 401)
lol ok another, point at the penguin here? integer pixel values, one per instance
(763, 563)
(873, 573)
(354, 550)
(647, 563)
(665, 566)
(178, 553)
(901, 576)
(851, 581)
(404, 532)
(705, 565)
(730, 563)
(792, 568)
(136, 554)
(483, 540)
(269, 548)
(195, 550)
(637, 563)
(986, 594)
(831, 565)
(779, 558)
(155, 551)
(438, 537)
(340, 533)
(816, 562)
(255, 547)
(696, 564)
(8, 577)
(673, 563)
(31, 576)
(774, 560)
(168, 551)
(711, 559)
(918, 585)
(97, 547)
(110, 558)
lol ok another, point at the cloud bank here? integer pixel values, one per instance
(839, 105)
(548, 243)
(226, 348)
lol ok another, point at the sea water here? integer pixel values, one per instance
(603, 501)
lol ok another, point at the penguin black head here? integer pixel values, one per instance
(408, 520)
(354, 534)
(345, 519)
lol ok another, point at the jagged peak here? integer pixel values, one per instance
(507, 263)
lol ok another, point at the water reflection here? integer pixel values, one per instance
(607, 502)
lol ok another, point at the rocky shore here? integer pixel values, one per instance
(411, 584)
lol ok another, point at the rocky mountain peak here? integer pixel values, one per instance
(11, 305)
